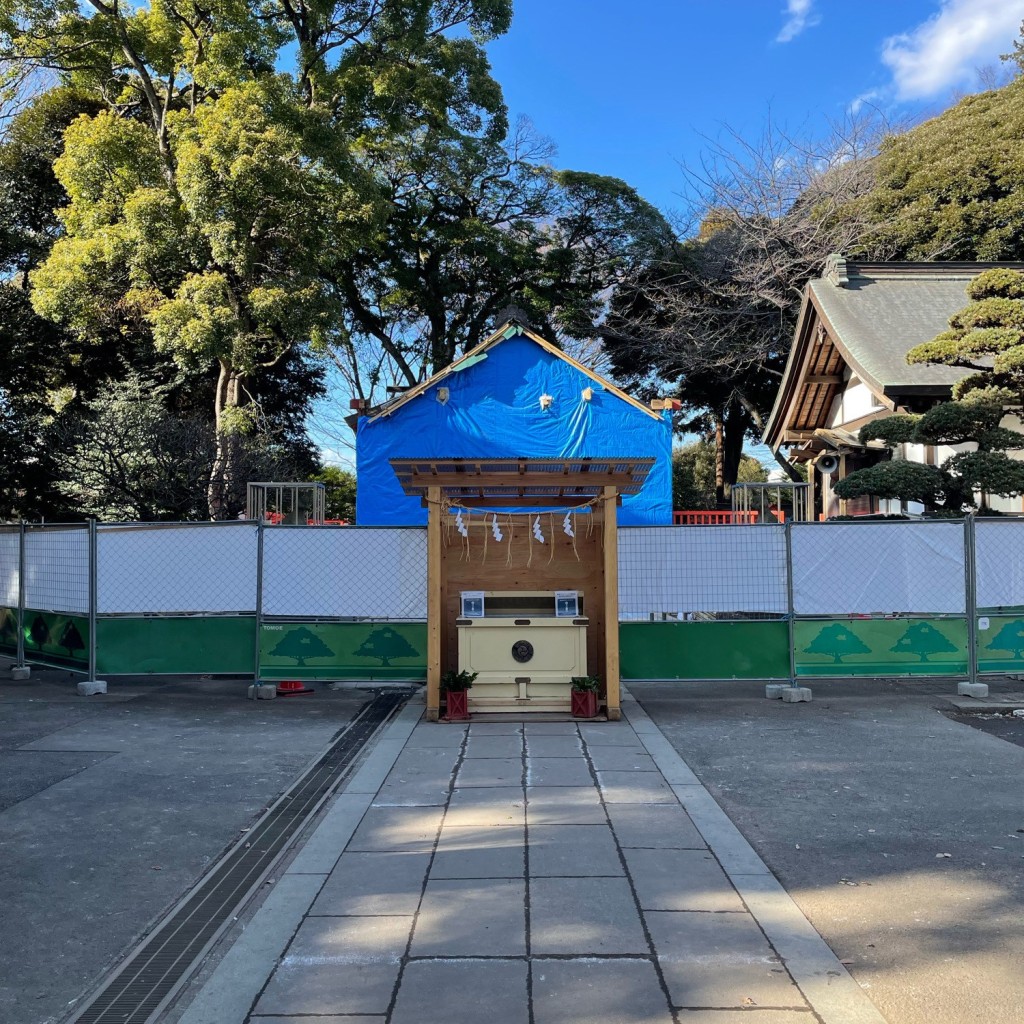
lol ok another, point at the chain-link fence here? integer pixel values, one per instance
(801, 599)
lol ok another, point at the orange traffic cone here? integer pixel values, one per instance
(291, 688)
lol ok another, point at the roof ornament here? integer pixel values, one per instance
(835, 270)
(512, 314)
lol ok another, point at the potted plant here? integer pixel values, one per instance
(455, 686)
(584, 696)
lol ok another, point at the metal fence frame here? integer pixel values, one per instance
(24, 657)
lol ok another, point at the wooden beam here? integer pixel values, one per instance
(823, 378)
(435, 605)
(611, 604)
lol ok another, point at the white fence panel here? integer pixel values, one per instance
(686, 569)
(9, 553)
(999, 562)
(193, 569)
(872, 568)
(57, 569)
(349, 572)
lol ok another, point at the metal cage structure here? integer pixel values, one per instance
(779, 502)
(286, 503)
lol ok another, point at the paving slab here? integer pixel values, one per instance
(438, 734)
(338, 965)
(318, 1019)
(681, 880)
(550, 729)
(573, 851)
(503, 805)
(499, 745)
(553, 746)
(581, 916)
(621, 759)
(628, 787)
(495, 728)
(471, 917)
(564, 805)
(654, 826)
(719, 960)
(608, 734)
(557, 771)
(750, 1016)
(488, 852)
(397, 830)
(490, 772)
(373, 884)
(453, 991)
(597, 991)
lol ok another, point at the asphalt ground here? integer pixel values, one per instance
(112, 806)
(896, 825)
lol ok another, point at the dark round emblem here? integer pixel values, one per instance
(522, 650)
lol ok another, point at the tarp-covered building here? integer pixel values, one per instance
(513, 396)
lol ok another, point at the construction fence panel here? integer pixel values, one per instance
(344, 603)
(10, 576)
(703, 602)
(56, 593)
(179, 569)
(880, 599)
(999, 595)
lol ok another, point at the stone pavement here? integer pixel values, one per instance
(537, 873)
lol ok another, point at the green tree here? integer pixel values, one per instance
(39, 631)
(693, 475)
(1009, 638)
(340, 496)
(836, 641)
(923, 639)
(384, 644)
(987, 338)
(300, 644)
(214, 197)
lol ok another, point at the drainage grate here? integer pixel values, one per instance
(145, 982)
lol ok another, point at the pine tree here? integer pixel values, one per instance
(385, 643)
(301, 644)
(39, 632)
(836, 641)
(923, 639)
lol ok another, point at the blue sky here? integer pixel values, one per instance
(631, 89)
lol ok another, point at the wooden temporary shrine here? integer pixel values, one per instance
(519, 529)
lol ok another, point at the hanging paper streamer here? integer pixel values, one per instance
(496, 529)
(460, 525)
(537, 531)
(567, 525)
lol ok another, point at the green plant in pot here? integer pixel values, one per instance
(455, 686)
(584, 696)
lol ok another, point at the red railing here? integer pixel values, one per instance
(705, 517)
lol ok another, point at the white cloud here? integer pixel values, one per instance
(865, 99)
(800, 14)
(946, 49)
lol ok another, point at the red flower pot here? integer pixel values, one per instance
(584, 703)
(457, 705)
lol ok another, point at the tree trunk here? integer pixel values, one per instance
(734, 434)
(229, 397)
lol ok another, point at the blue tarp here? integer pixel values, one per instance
(493, 411)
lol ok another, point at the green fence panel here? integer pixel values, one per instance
(343, 650)
(855, 646)
(51, 638)
(1001, 643)
(188, 645)
(704, 650)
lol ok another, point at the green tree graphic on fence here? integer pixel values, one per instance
(1009, 638)
(836, 641)
(8, 627)
(71, 639)
(301, 644)
(39, 631)
(923, 639)
(385, 643)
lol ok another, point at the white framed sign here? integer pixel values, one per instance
(472, 604)
(567, 604)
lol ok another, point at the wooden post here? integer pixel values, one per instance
(435, 610)
(611, 604)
